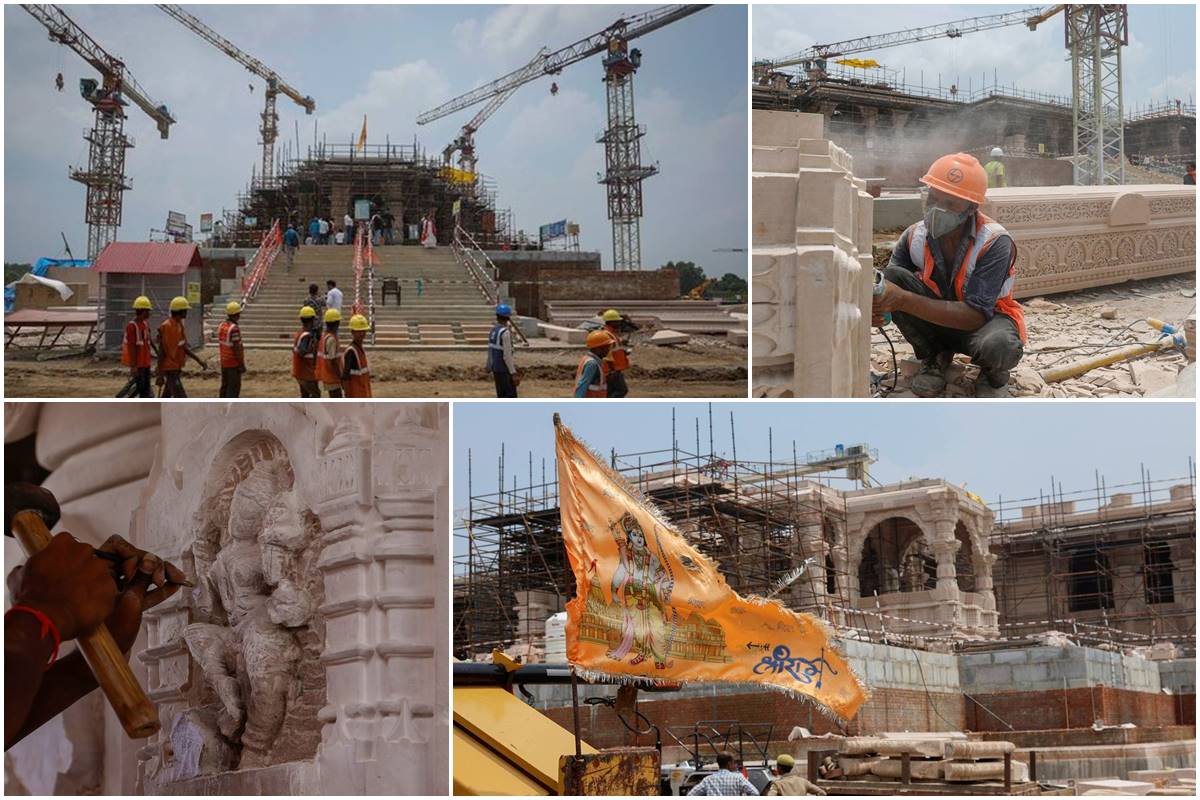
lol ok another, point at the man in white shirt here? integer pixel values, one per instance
(323, 230)
(333, 295)
(348, 223)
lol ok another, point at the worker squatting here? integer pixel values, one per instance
(949, 283)
(319, 361)
(601, 370)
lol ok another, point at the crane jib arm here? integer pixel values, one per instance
(553, 63)
(63, 30)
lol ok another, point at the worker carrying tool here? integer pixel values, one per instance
(949, 283)
(618, 357)
(66, 591)
(233, 354)
(501, 362)
(173, 348)
(591, 376)
(995, 170)
(137, 349)
(329, 355)
(304, 353)
(356, 374)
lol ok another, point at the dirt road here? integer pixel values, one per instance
(698, 369)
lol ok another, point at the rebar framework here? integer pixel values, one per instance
(1095, 35)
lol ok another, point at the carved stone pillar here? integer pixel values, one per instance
(945, 551)
(808, 593)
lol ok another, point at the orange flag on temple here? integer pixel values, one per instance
(650, 607)
(362, 137)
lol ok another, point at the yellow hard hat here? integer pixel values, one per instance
(180, 304)
(598, 339)
(332, 315)
(233, 307)
(612, 315)
(307, 312)
(359, 323)
(142, 303)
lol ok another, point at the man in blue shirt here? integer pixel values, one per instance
(500, 361)
(725, 782)
(591, 377)
(291, 243)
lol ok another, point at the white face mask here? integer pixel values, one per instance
(939, 221)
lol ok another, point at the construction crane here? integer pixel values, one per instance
(105, 174)
(1095, 34)
(624, 172)
(464, 143)
(269, 128)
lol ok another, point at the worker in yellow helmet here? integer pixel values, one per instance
(304, 353)
(137, 349)
(356, 374)
(617, 360)
(173, 348)
(233, 355)
(329, 356)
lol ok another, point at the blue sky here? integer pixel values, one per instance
(997, 449)
(1159, 64)
(391, 63)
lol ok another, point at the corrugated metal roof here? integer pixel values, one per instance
(159, 258)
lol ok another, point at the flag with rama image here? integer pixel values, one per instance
(649, 607)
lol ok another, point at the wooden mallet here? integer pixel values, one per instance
(138, 715)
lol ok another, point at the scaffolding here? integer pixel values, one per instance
(1110, 566)
(768, 523)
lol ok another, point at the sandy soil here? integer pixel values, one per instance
(702, 368)
(1068, 327)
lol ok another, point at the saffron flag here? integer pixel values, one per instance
(860, 63)
(362, 137)
(650, 607)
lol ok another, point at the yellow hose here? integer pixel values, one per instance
(1055, 374)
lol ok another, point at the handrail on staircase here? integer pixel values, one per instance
(364, 254)
(371, 263)
(261, 262)
(485, 273)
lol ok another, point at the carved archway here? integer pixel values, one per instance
(895, 556)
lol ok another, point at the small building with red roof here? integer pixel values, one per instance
(158, 270)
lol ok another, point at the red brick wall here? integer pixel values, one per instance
(532, 284)
(1073, 708)
(895, 710)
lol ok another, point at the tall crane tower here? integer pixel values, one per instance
(624, 171)
(269, 127)
(1095, 34)
(105, 174)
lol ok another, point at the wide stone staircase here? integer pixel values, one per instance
(449, 311)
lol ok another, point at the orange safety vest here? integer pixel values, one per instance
(325, 372)
(987, 231)
(171, 356)
(135, 349)
(304, 367)
(595, 389)
(357, 381)
(618, 356)
(228, 336)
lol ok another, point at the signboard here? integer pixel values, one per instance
(553, 231)
(176, 222)
(250, 222)
(206, 223)
(457, 207)
(362, 210)
(193, 292)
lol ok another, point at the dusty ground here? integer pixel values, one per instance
(705, 367)
(1068, 327)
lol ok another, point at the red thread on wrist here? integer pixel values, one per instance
(47, 626)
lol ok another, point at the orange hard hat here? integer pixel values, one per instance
(960, 175)
(598, 339)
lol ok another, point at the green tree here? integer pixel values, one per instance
(731, 287)
(13, 271)
(690, 276)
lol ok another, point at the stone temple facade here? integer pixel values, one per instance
(310, 657)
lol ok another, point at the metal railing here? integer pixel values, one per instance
(261, 262)
(482, 270)
(370, 262)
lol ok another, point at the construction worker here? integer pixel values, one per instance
(173, 348)
(356, 374)
(618, 357)
(329, 356)
(304, 354)
(949, 283)
(500, 360)
(592, 373)
(995, 170)
(789, 783)
(136, 348)
(233, 355)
